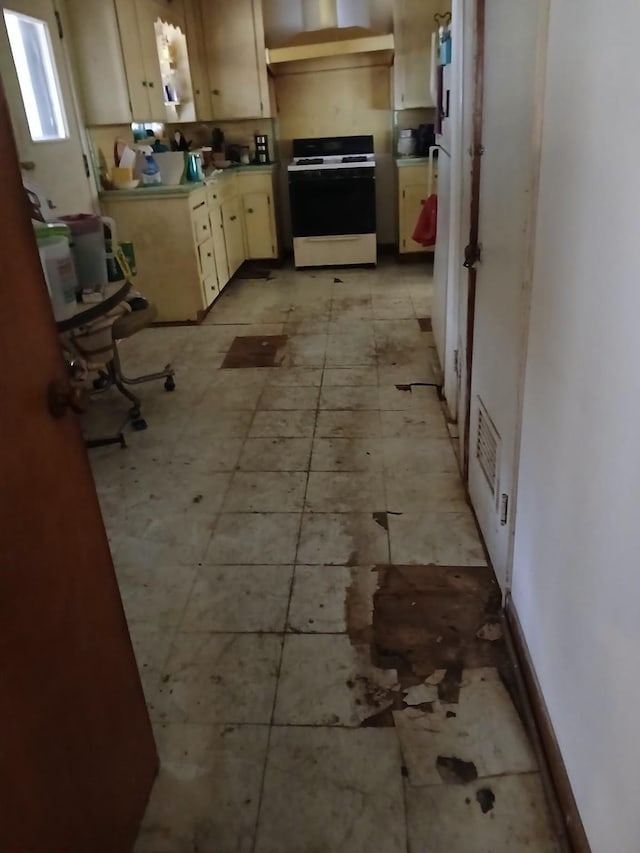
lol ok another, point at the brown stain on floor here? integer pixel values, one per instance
(255, 351)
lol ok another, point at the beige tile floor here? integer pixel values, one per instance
(239, 521)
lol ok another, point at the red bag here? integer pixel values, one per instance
(427, 225)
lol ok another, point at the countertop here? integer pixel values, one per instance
(180, 190)
(411, 161)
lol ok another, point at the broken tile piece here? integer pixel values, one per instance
(419, 694)
(485, 731)
(436, 677)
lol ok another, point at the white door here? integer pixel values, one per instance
(35, 75)
(507, 188)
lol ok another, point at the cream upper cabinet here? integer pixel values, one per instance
(148, 11)
(413, 25)
(104, 77)
(415, 184)
(236, 61)
(197, 61)
(125, 53)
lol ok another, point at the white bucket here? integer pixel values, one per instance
(60, 275)
(88, 250)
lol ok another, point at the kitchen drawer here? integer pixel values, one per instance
(200, 222)
(207, 259)
(210, 289)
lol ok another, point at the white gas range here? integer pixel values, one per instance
(332, 192)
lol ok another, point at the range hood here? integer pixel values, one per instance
(332, 42)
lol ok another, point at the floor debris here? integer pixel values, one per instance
(486, 798)
(454, 771)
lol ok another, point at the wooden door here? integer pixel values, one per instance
(133, 60)
(219, 247)
(413, 197)
(148, 13)
(258, 225)
(43, 113)
(234, 77)
(78, 757)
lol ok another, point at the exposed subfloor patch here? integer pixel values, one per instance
(317, 632)
(255, 351)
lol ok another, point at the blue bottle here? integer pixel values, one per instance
(151, 172)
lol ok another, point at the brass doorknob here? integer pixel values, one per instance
(63, 395)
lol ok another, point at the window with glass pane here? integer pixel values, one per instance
(39, 86)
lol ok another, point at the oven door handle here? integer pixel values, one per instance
(341, 238)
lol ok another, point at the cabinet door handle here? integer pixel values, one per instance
(151, 85)
(249, 210)
(233, 218)
(144, 83)
(204, 227)
(197, 91)
(215, 91)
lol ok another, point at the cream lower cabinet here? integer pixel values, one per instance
(233, 233)
(415, 184)
(178, 255)
(188, 246)
(258, 215)
(219, 245)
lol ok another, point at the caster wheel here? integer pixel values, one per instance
(100, 383)
(169, 384)
(139, 424)
(134, 413)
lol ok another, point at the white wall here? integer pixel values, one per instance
(576, 578)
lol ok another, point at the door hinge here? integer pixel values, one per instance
(87, 171)
(261, 107)
(59, 23)
(472, 255)
(269, 200)
(404, 194)
(456, 363)
(504, 508)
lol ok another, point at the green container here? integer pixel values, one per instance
(113, 267)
